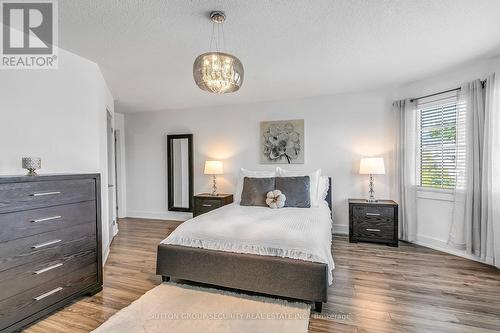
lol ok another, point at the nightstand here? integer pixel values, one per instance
(205, 202)
(375, 222)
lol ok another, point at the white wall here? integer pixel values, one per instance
(58, 115)
(338, 131)
(435, 208)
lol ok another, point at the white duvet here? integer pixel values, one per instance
(297, 233)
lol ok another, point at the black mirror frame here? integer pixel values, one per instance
(170, 172)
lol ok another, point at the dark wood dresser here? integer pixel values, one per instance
(50, 244)
(205, 202)
(373, 221)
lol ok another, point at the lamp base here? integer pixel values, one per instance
(371, 191)
(214, 187)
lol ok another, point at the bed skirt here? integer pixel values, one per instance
(284, 277)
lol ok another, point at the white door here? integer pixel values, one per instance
(113, 227)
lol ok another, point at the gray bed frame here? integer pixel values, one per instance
(276, 276)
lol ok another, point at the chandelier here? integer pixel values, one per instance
(218, 72)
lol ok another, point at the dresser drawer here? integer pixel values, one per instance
(22, 305)
(374, 212)
(206, 205)
(31, 222)
(47, 246)
(29, 195)
(371, 231)
(25, 277)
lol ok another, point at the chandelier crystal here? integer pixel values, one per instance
(218, 72)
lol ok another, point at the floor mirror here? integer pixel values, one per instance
(180, 172)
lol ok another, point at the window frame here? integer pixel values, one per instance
(424, 104)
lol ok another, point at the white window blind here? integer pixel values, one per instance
(437, 140)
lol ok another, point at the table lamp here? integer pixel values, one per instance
(372, 166)
(213, 168)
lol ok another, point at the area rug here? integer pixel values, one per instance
(172, 307)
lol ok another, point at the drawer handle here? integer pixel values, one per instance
(44, 193)
(48, 293)
(46, 219)
(46, 269)
(38, 246)
(376, 230)
(206, 205)
(372, 214)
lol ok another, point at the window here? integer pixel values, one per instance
(437, 140)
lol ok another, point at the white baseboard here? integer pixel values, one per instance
(340, 229)
(441, 245)
(105, 255)
(174, 216)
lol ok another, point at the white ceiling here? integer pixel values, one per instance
(290, 49)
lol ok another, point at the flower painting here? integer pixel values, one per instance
(282, 142)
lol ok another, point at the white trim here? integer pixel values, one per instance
(106, 251)
(441, 245)
(174, 216)
(443, 195)
(433, 189)
(105, 255)
(340, 229)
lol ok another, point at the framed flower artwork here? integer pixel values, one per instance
(282, 142)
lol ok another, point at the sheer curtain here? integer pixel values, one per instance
(490, 209)
(406, 146)
(475, 227)
(465, 227)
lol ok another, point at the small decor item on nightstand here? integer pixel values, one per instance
(372, 166)
(31, 164)
(214, 168)
(275, 199)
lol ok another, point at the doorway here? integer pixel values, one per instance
(118, 175)
(112, 227)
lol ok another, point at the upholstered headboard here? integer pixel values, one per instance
(329, 194)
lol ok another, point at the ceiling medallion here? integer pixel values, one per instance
(218, 72)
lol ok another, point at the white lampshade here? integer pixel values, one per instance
(372, 166)
(213, 168)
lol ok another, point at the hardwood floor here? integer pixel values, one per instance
(376, 288)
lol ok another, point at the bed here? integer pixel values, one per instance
(241, 248)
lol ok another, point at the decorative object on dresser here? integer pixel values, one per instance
(205, 202)
(50, 244)
(282, 142)
(214, 168)
(372, 166)
(31, 164)
(373, 221)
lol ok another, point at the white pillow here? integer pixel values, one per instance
(248, 173)
(313, 181)
(323, 187)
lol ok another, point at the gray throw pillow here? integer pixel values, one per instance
(255, 191)
(296, 190)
